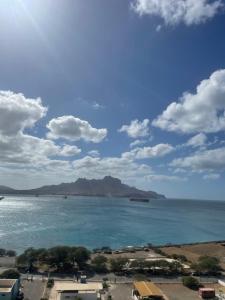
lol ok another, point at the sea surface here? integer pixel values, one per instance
(115, 222)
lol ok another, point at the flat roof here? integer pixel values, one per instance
(146, 289)
(6, 285)
(61, 286)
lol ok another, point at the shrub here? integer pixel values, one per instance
(50, 283)
(191, 282)
(10, 274)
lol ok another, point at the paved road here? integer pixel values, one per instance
(33, 290)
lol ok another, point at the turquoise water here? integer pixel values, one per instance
(115, 222)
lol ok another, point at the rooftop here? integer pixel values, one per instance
(61, 286)
(146, 289)
(6, 285)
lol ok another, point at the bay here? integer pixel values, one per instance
(116, 222)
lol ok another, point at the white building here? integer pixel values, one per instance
(71, 290)
(9, 289)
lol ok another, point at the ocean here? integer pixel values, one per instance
(116, 222)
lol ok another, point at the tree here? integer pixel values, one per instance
(27, 259)
(10, 253)
(207, 264)
(190, 282)
(58, 257)
(118, 264)
(99, 264)
(10, 274)
(81, 256)
(2, 252)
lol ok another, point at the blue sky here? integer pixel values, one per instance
(87, 89)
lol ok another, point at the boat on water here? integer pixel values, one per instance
(1, 198)
(139, 199)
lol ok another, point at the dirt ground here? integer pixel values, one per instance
(121, 291)
(193, 252)
(180, 292)
(137, 254)
(7, 262)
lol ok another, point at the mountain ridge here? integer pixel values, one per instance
(108, 186)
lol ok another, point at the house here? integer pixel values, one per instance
(70, 290)
(146, 290)
(9, 289)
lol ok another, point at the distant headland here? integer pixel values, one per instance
(108, 186)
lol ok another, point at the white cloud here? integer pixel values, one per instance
(173, 12)
(200, 112)
(161, 177)
(149, 152)
(212, 176)
(136, 128)
(97, 105)
(137, 142)
(207, 160)
(94, 153)
(74, 129)
(68, 150)
(197, 140)
(96, 167)
(18, 112)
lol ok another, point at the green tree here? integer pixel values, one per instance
(191, 282)
(99, 264)
(2, 252)
(58, 257)
(81, 256)
(10, 253)
(118, 264)
(28, 258)
(207, 264)
(10, 274)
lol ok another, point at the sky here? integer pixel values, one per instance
(134, 89)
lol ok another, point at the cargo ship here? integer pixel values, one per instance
(139, 199)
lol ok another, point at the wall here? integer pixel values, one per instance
(72, 296)
(6, 297)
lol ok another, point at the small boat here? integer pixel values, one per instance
(65, 197)
(139, 199)
(1, 198)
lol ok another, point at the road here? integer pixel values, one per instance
(33, 290)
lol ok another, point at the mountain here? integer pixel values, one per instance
(108, 186)
(6, 189)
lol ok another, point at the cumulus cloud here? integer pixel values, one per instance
(137, 142)
(149, 152)
(74, 129)
(68, 150)
(18, 112)
(19, 149)
(121, 167)
(136, 128)
(212, 176)
(173, 12)
(94, 153)
(197, 140)
(203, 111)
(161, 177)
(207, 160)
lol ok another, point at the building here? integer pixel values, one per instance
(207, 293)
(70, 290)
(9, 289)
(146, 290)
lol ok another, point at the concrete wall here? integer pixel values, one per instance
(64, 296)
